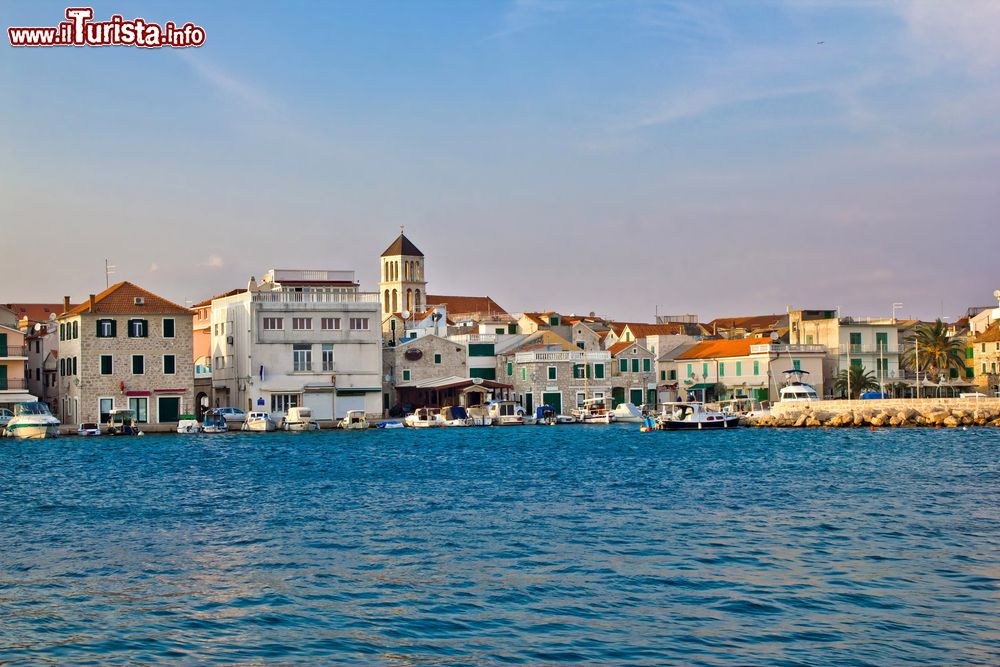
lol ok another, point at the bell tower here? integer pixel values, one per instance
(402, 283)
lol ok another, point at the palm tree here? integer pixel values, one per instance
(938, 352)
(857, 380)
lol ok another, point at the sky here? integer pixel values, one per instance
(625, 157)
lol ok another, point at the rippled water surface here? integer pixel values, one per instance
(532, 545)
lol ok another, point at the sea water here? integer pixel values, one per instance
(496, 546)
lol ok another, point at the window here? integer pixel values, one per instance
(107, 366)
(138, 364)
(673, 375)
(756, 367)
(704, 371)
(437, 357)
(106, 329)
(796, 364)
(690, 370)
(882, 341)
(856, 363)
(500, 331)
(62, 368)
(646, 365)
(327, 353)
(62, 335)
(580, 397)
(524, 375)
(406, 375)
(302, 358)
(722, 369)
(635, 364)
(580, 344)
(809, 339)
(577, 371)
(168, 327)
(552, 372)
(281, 402)
(510, 369)
(329, 323)
(76, 329)
(302, 323)
(554, 321)
(739, 368)
(623, 365)
(663, 376)
(599, 371)
(359, 324)
(141, 408)
(169, 364)
(271, 324)
(105, 405)
(138, 328)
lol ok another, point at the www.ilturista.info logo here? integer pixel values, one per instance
(80, 30)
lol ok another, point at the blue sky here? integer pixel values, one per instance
(706, 157)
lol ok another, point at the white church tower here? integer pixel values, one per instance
(402, 284)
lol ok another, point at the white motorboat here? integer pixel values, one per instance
(354, 420)
(546, 415)
(121, 421)
(480, 415)
(505, 413)
(390, 424)
(32, 421)
(454, 415)
(528, 419)
(259, 422)
(299, 419)
(424, 418)
(693, 417)
(795, 390)
(627, 412)
(89, 429)
(744, 406)
(594, 411)
(188, 425)
(214, 422)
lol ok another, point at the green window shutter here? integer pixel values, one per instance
(635, 364)
(647, 365)
(797, 364)
(106, 364)
(552, 372)
(673, 375)
(524, 374)
(406, 376)
(74, 366)
(3, 346)
(623, 365)
(437, 358)
(650, 397)
(3, 377)
(512, 328)
(138, 364)
(114, 328)
(856, 363)
(599, 371)
(499, 331)
(510, 369)
(739, 368)
(98, 332)
(970, 372)
(969, 353)
(704, 370)
(953, 372)
(76, 329)
(554, 321)
(663, 376)
(855, 338)
(756, 368)
(484, 373)
(169, 364)
(62, 332)
(481, 350)
(168, 328)
(690, 370)
(722, 369)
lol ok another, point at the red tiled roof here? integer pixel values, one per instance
(466, 304)
(643, 329)
(749, 323)
(119, 299)
(402, 246)
(713, 349)
(35, 312)
(209, 300)
(990, 335)
(619, 346)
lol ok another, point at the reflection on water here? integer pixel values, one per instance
(503, 546)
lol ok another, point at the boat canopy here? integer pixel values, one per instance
(454, 412)
(543, 411)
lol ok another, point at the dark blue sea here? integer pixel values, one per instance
(518, 546)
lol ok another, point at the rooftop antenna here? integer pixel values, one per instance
(108, 270)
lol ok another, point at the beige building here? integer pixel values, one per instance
(402, 285)
(986, 359)
(13, 361)
(125, 348)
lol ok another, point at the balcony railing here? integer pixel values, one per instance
(774, 348)
(7, 384)
(316, 297)
(7, 351)
(475, 338)
(855, 348)
(576, 357)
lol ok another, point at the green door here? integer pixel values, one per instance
(529, 403)
(3, 345)
(3, 377)
(554, 401)
(169, 409)
(617, 396)
(635, 396)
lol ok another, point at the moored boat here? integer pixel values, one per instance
(89, 429)
(121, 421)
(594, 411)
(188, 424)
(214, 422)
(505, 413)
(259, 422)
(423, 418)
(299, 419)
(354, 420)
(455, 415)
(693, 416)
(32, 421)
(627, 412)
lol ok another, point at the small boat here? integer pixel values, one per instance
(214, 422)
(299, 419)
(89, 429)
(392, 424)
(594, 411)
(545, 414)
(423, 418)
(480, 415)
(32, 421)
(693, 416)
(744, 406)
(528, 419)
(505, 413)
(188, 424)
(121, 421)
(354, 420)
(795, 390)
(453, 415)
(259, 422)
(627, 412)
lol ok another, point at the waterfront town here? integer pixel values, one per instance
(317, 339)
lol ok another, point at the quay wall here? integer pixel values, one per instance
(932, 412)
(887, 404)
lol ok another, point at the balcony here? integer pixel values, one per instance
(559, 356)
(13, 384)
(856, 348)
(469, 339)
(773, 348)
(345, 296)
(14, 352)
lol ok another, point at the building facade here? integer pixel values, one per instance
(402, 285)
(298, 338)
(125, 348)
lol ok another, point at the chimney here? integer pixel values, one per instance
(65, 304)
(91, 303)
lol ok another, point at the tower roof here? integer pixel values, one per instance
(402, 246)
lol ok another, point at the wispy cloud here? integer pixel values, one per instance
(225, 82)
(214, 262)
(154, 267)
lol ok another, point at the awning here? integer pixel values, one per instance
(699, 387)
(17, 398)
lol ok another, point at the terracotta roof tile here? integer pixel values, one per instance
(402, 246)
(713, 349)
(119, 299)
(35, 312)
(990, 335)
(457, 305)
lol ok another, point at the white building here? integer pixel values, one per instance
(298, 338)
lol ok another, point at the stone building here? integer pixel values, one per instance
(633, 374)
(416, 360)
(402, 285)
(555, 375)
(986, 359)
(125, 348)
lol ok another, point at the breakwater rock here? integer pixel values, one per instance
(948, 414)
